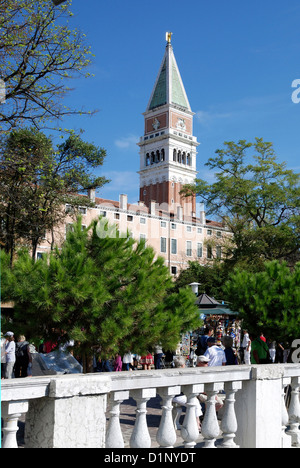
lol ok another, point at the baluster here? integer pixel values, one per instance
(189, 429)
(114, 436)
(229, 424)
(286, 439)
(11, 413)
(210, 425)
(166, 434)
(140, 437)
(294, 413)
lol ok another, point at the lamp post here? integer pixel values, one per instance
(194, 287)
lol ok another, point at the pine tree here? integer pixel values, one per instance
(268, 301)
(105, 291)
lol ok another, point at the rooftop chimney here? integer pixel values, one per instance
(123, 201)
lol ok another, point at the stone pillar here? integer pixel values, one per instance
(11, 413)
(259, 408)
(294, 413)
(210, 425)
(229, 423)
(140, 437)
(72, 416)
(189, 429)
(114, 436)
(166, 434)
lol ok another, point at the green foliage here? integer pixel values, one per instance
(39, 54)
(210, 276)
(37, 181)
(100, 290)
(268, 301)
(257, 197)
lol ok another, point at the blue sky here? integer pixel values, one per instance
(237, 59)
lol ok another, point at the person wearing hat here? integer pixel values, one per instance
(214, 353)
(202, 361)
(10, 354)
(3, 356)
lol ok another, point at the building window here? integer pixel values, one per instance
(129, 218)
(209, 251)
(102, 213)
(143, 237)
(174, 246)
(69, 209)
(69, 228)
(199, 250)
(219, 251)
(163, 224)
(188, 228)
(173, 225)
(117, 215)
(188, 248)
(163, 245)
(142, 220)
(40, 255)
(209, 232)
(199, 230)
(174, 270)
(219, 234)
(82, 210)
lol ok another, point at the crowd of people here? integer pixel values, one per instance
(16, 358)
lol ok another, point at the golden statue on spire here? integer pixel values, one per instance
(169, 37)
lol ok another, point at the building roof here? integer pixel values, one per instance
(205, 301)
(168, 88)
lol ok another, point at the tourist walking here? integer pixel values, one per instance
(128, 361)
(158, 354)
(23, 357)
(147, 361)
(202, 341)
(214, 353)
(230, 353)
(259, 352)
(10, 353)
(118, 363)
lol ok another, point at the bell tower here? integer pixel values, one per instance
(168, 147)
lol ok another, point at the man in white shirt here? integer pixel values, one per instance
(10, 352)
(214, 353)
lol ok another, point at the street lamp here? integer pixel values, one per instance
(194, 287)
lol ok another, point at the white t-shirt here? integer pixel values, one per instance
(215, 355)
(10, 349)
(3, 357)
(246, 340)
(127, 358)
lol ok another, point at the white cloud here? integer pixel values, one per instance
(206, 117)
(121, 182)
(127, 142)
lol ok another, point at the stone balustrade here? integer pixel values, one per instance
(83, 411)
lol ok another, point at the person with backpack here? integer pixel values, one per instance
(202, 341)
(23, 357)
